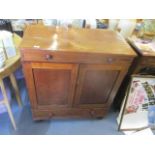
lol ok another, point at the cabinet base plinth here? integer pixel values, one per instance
(68, 113)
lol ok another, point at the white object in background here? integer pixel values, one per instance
(126, 27)
(2, 57)
(113, 24)
(64, 22)
(146, 132)
(91, 23)
(129, 132)
(7, 40)
(18, 24)
(77, 23)
(49, 22)
(1, 43)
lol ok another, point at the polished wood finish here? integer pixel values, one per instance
(95, 83)
(74, 57)
(59, 89)
(75, 40)
(39, 114)
(73, 72)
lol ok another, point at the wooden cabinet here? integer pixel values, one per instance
(73, 80)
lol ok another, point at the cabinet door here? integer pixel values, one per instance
(53, 84)
(97, 84)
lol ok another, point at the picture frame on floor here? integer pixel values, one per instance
(138, 107)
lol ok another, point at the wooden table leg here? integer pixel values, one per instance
(6, 102)
(15, 87)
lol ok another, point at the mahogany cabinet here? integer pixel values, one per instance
(73, 72)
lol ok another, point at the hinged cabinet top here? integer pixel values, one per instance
(58, 39)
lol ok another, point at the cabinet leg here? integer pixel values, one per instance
(6, 102)
(15, 87)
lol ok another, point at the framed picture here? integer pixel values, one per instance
(138, 107)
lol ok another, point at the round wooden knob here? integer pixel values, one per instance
(48, 57)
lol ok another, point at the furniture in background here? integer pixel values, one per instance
(73, 73)
(146, 59)
(9, 95)
(143, 64)
(11, 65)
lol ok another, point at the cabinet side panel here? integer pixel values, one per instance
(27, 68)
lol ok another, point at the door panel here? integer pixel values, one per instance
(54, 84)
(95, 84)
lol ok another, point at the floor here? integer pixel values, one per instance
(26, 126)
